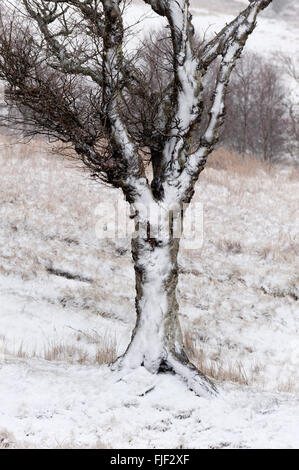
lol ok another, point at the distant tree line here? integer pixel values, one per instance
(262, 119)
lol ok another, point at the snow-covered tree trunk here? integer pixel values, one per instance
(157, 340)
(155, 264)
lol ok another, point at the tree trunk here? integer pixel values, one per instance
(157, 340)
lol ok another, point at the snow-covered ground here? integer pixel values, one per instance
(238, 297)
(54, 405)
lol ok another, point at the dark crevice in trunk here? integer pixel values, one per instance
(165, 367)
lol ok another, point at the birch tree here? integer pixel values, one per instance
(67, 70)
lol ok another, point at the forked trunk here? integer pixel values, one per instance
(157, 340)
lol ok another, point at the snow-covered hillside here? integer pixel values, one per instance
(277, 28)
(67, 306)
(275, 31)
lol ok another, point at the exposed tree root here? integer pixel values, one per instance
(196, 381)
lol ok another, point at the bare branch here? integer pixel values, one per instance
(217, 45)
(45, 15)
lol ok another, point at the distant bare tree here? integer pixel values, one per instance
(257, 120)
(241, 111)
(65, 64)
(290, 66)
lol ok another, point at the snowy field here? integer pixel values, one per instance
(67, 308)
(67, 299)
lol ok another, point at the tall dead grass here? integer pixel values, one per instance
(106, 346)
(106, 352)
(249, 166)
(217, 369)
(232, 162)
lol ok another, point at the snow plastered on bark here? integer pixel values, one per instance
(236, 35)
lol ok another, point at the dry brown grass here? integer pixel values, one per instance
(106, 345)
(106, 352)
(217, 369)
(287, 387)
(232, 162)
(247, 166)
(66, 353)
(15, 146)
(230, 246)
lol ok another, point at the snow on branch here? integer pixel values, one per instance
(217, 45)
(189, 68)
(183, 92)
(231, 49)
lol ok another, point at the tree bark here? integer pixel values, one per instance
(157, 340)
